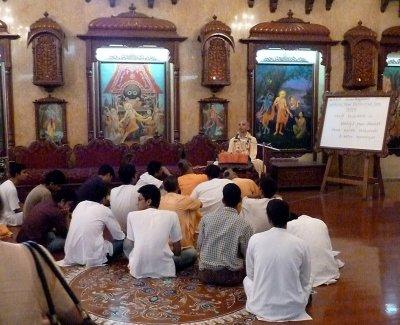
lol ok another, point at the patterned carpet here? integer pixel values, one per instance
(112, 296)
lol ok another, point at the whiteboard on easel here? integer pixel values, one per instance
(356, 123)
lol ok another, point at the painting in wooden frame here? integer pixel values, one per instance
(284, 107)
(51, 121)
(214, 118)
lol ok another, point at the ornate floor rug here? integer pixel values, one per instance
(112, 296)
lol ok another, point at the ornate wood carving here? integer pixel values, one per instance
(360, 54)
(130, 29)
(216, 41)
(273, 5)
(8, 109)
(47, 39)
(288, 34)
(150, 3)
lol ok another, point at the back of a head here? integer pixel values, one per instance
(268, 186)
(212, 171)
(229, 174)
(66, 194)
(126, 173)
(171, 184)
(15, 168)
(98, 191)
(151, 192)
(232, 195)
(278, 213)
(184, 166)
(106, 169)
(55, 177)
(153, 167)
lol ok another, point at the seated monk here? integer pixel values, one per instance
(188, 179)
(243, 142)
(247, 186)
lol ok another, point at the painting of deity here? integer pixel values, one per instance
(284, 106)
(132, 101)
(213, 118)
(391, 81)
(51, 120)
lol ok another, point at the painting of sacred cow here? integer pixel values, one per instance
(132, 101)
(284, 105)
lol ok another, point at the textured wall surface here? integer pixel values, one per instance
(189, 16)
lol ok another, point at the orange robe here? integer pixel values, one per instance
(189, 181)
(247, 186)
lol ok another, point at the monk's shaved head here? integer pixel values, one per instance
(243, 126)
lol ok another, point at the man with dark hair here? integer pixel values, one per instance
(156, 172)
(11, 214)
(123, 199)
(222, 242)
(47, 222)
(188, 179)
(278, 268)
(148, 231)
(186, 207)
(253, 210)
(85, 244)
(105, 175)
(210, 192)
(53, 181)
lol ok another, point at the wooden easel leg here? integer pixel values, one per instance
(365, 177)
(340, 166)
(327, 169)
(378, 175)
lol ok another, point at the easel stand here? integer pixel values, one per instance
(363, 181)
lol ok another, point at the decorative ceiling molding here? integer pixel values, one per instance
(150, 3)
(273, 5)
(384, 5)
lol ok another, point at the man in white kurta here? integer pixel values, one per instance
(155, 172)
(278, 267)
(324, 266)
(123, 199)
(85, 244)
(254, 210)
(210, 192)
(245, 143)
(11, 213)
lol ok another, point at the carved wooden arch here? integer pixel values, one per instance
(131, 29)
(288, 34)
(5, 57)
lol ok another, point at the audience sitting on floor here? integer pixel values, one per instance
(149, 231)
(85, 244)
(186, 207)
(314, 232)
(156, 172)
(47, 223)
(253, 210)
(123, 199)
(11, 214)
(222, 241)
(188, 179)
(278, 268)
(247, 186)
(105, 175)
(210, 192)
(53, 181)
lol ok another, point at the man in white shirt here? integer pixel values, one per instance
(12, 208)
(314, 232)
(254, 210)
(210, 192)
(149, 230)
(278, 268)
(123, 199)
(85, 244)
(154, 175)
(245, 143)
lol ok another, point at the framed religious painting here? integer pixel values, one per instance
(132, 101)
(51, 121)
(214, 118)
(284, 105)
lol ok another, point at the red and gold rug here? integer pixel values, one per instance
(112, 296)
